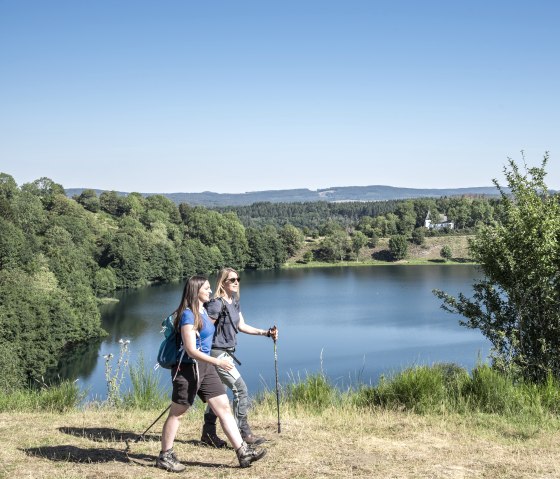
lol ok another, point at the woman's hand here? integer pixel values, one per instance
(273, 332)
(225, 364)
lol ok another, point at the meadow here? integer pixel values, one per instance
(424, 422)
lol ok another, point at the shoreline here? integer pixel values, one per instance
(412, 262)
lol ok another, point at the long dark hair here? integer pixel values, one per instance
(190, 301)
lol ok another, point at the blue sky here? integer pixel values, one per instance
(234, 96)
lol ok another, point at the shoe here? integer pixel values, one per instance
(253, 440)
(168, 460)
(211, 439)
(249, 454)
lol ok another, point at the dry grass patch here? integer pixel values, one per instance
(339, 443)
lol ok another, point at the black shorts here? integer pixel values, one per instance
(186, 387)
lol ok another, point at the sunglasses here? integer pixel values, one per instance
(233, 280)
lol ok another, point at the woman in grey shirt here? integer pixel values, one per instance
(225, 310)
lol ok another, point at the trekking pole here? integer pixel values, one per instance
(149, 427)
(277, 392)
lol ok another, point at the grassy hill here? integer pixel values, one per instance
(429, 253)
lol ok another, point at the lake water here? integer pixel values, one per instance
(353, 323)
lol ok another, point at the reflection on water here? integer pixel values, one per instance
(77, 360)
(353, 322)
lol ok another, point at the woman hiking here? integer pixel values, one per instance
(224, 308)
(199, 378)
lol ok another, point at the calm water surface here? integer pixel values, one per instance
(354, 323)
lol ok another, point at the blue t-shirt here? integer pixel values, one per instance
(204, 341)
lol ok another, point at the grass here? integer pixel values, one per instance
(424, 422)
(339, 442)
(145, 393)
(56, 398)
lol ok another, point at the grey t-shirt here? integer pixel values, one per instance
(227, 321)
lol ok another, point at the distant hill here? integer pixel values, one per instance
(334, 194)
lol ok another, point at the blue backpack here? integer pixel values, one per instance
(171, 350)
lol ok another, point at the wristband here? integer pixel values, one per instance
(268, 333)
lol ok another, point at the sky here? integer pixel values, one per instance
(232, 96)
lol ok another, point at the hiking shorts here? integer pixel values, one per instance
(186, 386)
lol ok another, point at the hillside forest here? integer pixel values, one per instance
(60, 256)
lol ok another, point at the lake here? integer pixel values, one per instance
(353, 323)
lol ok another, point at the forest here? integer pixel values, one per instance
(60, 256)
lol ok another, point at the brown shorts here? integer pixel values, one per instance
(186, 387)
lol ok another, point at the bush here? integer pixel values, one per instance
(446, 253)
(398, 245)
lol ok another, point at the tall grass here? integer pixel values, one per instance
(420, 389)
(145, 393)
(315, 392)
(447, 388)
(438, 389)
(56, 398)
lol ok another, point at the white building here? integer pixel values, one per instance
(438, 225)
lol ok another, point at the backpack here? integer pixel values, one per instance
(171, 346)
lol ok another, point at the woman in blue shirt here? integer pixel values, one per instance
(199, 378)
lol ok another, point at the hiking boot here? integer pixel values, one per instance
(248, 454)
(168, 460)
(253, 440)
(211, 439)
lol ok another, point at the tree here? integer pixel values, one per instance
(407, 217)
(109, 202)
(125, 257)
(89, 200)
(12, 245)
(308, 256)
(333, 247)
(515, 305)
(266, 249)
(359, 240)
(419, 235)
(292, 238)
(446, 252)
(104, 281)
(45, 188)
(398, 245)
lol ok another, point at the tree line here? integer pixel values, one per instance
(59, 255)
(388, 217)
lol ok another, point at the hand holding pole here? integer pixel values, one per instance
(277, 390)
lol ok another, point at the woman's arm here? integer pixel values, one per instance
(188, 334)
(247, 329)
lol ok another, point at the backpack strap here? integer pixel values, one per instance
(225, 312)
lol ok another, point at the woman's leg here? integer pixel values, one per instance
(171, 425)
(240, 397)
(241, 405)
(220, 406)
